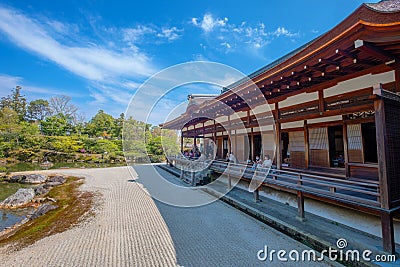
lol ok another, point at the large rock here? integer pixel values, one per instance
(56, 180)
(41, 190)
(43, 210)
(29, 179)
(22, 197)
(35, 179)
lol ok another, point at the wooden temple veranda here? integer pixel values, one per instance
(335, 109)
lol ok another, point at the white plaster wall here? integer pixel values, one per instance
(267, 128)
(361, 82)
(297, 99)
(325, 119)
(293, 124)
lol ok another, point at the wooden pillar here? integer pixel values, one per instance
(388, 233)
(215, 139)
(397, 80)
(306, 146)
(278, 137)
(235, 146)
(181, 141)
(346, 150)
(278, 146)
(194, 136)
(229, 135)
(388, 146)
(381, 147)
(252, 144)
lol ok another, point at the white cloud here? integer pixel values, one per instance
(209, 23)
(245, 36)
(89, 61)
(170, 34)
(137, 33)
(7, 83)
(281, 31)
(150, 33)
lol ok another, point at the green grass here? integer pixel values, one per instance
(72, 203)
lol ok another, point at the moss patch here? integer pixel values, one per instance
(72, 203)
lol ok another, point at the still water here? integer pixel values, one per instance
(10, 217)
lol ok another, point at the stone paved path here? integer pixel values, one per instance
(131, 229)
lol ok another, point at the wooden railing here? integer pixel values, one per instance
(342, 190)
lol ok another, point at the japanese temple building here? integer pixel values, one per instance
(335, 104)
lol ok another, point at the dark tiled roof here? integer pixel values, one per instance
(386, 6)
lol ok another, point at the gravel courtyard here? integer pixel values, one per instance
(132, 229)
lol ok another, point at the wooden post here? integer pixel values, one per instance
(300, 206)
(256, 195)
(306, 146)
(346, 150)
(193, 176)
(388, 232)
(300, 201)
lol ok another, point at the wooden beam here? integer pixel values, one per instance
(344, 53)
(321, 101)
(373, 50)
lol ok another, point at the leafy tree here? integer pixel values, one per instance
(101, 125)
(134, 141)
(38, 110)
(57, 125)
(118, 126)
(16, 102)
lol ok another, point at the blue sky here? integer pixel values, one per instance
(99, 52)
